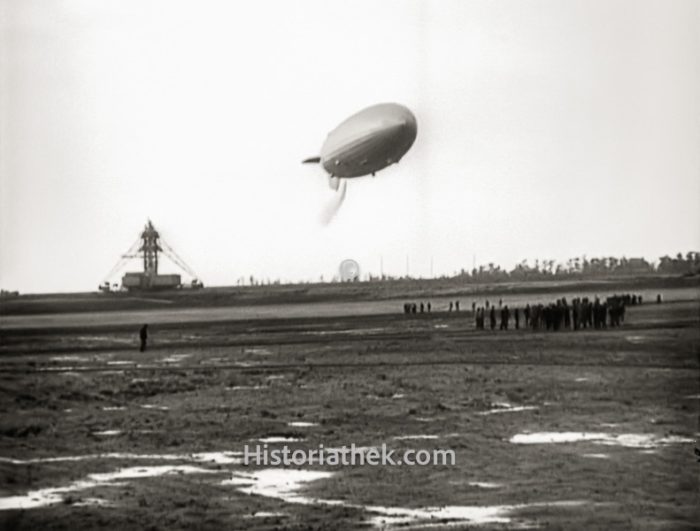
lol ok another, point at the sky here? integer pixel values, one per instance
(546, 129)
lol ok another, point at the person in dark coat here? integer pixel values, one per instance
(505, 317)
(143, 335)
(526, 314)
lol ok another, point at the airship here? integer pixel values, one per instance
(367, 142)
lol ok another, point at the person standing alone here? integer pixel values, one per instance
(143, 335)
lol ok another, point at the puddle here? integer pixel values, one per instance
(119, 455)
(153, 406)
(279, 439)
(114, 408)
(282, 484)
(556, 437)
(596, 456)
(242, 387)
(501, 404)
(581, 380)
(258, 351)
(629, 440)
(454, 514)
(398, 396)
(636, 339)
(302, 424)
(505, 407)
(107, 433)
(400, 517)
(440, 326)
(120, 362)
(66, 358)
(425, 419)
(220, 458)
(285, 484)
(265, 514)
(276, 377)
(412, 437)
(278, 483)
(484, 484)
(175, 358)
(52, 496)
(46, 459)
(136, 472)
(508, 410)
(640, 440)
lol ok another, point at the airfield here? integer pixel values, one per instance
(585, 429)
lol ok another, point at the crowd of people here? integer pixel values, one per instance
(412, 307)
(579, 313)
(423, 307)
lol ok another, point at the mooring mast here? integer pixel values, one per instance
(148, 248)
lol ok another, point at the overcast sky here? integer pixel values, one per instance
(546, 129)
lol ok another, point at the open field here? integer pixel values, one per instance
(248, 298)
(111, 310)
(587, 429)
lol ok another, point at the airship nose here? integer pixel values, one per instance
(400, 119)
(402, 123)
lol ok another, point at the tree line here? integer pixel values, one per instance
(587, 268)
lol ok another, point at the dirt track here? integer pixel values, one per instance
(211, 387)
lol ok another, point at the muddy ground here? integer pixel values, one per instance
(587, 429)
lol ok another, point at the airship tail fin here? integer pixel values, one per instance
(311, 160)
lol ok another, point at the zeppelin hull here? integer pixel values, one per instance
(369, 141)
